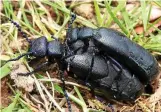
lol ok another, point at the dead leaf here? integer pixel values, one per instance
(157, 95)
(96, 104)
(140, 29)
(91, 104)
(155, 13)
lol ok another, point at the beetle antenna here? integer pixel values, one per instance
(73, 17)
(69, 30)
(22, 55)
(20, 30)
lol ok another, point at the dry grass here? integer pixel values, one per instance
(47, 18)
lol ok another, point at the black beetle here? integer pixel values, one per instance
(122, 49)
(40, 48)
(106, 75)
(110, 62)
(106, 59)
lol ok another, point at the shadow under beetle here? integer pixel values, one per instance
(105, 59)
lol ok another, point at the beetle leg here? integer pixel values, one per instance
(116, 63)
(91, 88)
(89, 75)
(111, 107)
(90, 69)
(62, 72)
(94, 52)
(64, 90)
(73, 17)
(68, 66)
(35, 70)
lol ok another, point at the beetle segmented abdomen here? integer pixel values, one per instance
(119, 85)
(106, 76)
(130, 54)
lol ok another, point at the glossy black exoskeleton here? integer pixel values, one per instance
(110, 62)
(40, 48)
(104, 58)
(106, 75)
(118, 46)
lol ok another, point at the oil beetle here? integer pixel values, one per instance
(40, 48)
(107, 60)
(110, 62)
(122, 49)
(104, 74)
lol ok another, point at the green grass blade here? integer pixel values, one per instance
(126, 20)
(115, 18)
(152, 24)
(8, 8)
(79, 94)
(78, 101)
(157, 3)
(4, 71)
(98, 13)
(11, 107)
(79, 19)
(120, 6)
(145, 13)
(58, 88)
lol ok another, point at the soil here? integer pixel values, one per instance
(5, 93)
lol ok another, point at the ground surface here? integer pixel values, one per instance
(46, 18)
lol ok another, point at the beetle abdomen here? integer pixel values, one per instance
(106, 77)
(130, 54)
(80, 65)
(126, 87)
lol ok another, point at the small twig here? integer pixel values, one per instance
(41, 93)
(52, 85)
(143, 107)
(35, 100)
(66, 82)
(29, 105)
(51, 97)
